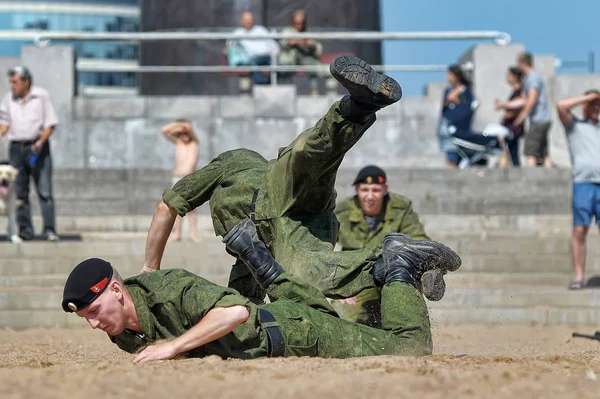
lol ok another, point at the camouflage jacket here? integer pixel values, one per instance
(398, 217)
(170, 302)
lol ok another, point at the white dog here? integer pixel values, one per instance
(8, 174)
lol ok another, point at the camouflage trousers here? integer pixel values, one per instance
(364, 308)
(311, 328)
(294, 213)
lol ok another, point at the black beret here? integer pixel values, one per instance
(370, 175)
(86, 282)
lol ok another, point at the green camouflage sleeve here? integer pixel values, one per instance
(196, 188)
(199, 300)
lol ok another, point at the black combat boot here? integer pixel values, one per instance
(369, 90)
(242, 241)
(422, 263)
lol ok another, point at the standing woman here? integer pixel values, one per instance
(456, 111)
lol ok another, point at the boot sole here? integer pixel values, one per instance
(364, 83)
(433, 285)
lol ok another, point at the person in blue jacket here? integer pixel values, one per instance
(457, 111)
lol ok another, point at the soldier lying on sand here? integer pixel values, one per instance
(198, 318)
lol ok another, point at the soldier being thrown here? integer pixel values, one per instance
(291, 199)
(198, 318)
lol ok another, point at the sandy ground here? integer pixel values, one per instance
(470, 361)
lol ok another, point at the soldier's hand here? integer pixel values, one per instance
(162, 351)
(147, 269)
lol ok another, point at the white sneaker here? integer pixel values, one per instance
(52, 237)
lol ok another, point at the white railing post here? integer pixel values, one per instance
(274, 66)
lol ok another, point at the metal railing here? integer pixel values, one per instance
(95, 65)
(44, 38)
(89, 65)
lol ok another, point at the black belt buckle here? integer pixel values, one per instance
(275, 336)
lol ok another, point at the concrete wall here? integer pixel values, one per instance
(125, 132)
(492, 192)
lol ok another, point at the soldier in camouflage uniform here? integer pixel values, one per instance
(198, 318)
(364, 220)
(292, 198)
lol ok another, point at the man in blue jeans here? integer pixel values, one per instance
(29, 118)
(584, 142)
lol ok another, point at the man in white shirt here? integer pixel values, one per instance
(257, 51)
(29, 118)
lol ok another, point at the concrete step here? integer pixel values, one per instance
(455, 280)
(211, 260)
(523, 264)
(544, 316)
(35, 281)
(23, 298)
(518, 297)
(463, 279)
(533, 225)
(127, 266)
(25, 319)
(435, 224)
(21, 309)
(496, 243)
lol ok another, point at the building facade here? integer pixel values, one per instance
(73, 16)
(224, 16)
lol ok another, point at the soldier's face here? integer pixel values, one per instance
(371, 197)
(106, 312)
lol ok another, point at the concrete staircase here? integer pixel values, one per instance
(505, 278)
(32, 274)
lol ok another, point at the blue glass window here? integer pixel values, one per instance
(62, 21)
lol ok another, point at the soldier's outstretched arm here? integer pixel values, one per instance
(158, 234)
(186, 195)
(217, 323)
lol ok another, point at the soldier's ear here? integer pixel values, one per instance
(117, 289)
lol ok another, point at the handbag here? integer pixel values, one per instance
(237, 55)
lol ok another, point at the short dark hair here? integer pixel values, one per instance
(526, 58)
(516, 72)
(457, 71)
(591, 91)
